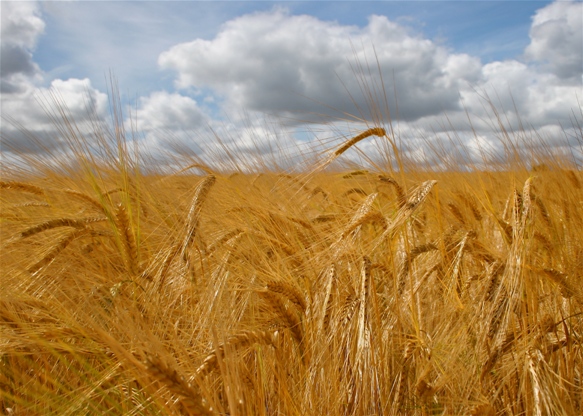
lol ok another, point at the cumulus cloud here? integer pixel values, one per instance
(271, 61)
(31, 114)
(164, 111)
(20, 27)
(557, 39)
(34, 119)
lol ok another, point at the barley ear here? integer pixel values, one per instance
(240, 340)
(189, 395)
(413, 202)
(290, 292)
(128, 239)
(193, 219)
(288, 317)
(401, 198)
(59, 222)
(376, 131)
(23, 187)
(54, 252)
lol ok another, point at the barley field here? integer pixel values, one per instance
(391, 290)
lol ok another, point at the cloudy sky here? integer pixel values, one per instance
(266, 75)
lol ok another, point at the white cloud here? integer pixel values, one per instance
(557, 39)
(272, 61)
(33, 119)
(20, 28)
(164, 111)
(21, 23)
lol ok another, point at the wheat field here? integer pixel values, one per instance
(330, 291)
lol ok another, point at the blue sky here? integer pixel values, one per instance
(187, 67)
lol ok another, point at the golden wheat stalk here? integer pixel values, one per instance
(573, 179)
(200, 166)
(275, 243)
(457, 213)
(338, 247)
(499, 351)
(318, 190)
(484, 409)
(455, 275)
(373, 217)
(347, 310)
(351, 191)
(324, 218)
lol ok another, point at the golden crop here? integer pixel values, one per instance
(316, 293)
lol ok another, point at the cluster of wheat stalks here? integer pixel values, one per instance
(337, 293)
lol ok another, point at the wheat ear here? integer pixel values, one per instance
(566, 288)
(240, 340)
(411, 256)
(30, 204)
(54, 252)
(362, 302)
(401, 198)
(59, 222)
(286, 315)
(415, 199)
(376, 131)
(84, 197)
(128, 239)
(360, 214)
(200, 166)
(189, 396)
(324, 319)
(290, 292)
(200, 196)
(471, 203)
(485, 409)
(22, 186)
(573, 179)
(457, 213)
(354, 173)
